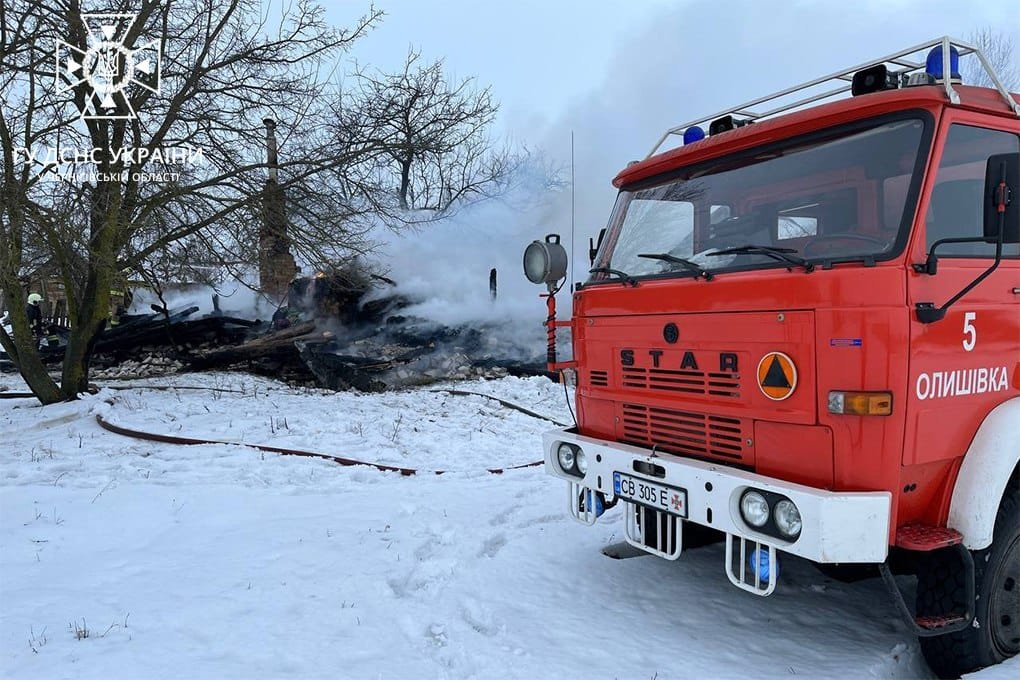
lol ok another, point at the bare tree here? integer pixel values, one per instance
(434, 133)
(998, 49)
(223, 67)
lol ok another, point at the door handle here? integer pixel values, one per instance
(1016, 291)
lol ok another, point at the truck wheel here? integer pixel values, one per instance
(995, 633)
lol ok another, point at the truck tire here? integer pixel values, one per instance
(995, 633)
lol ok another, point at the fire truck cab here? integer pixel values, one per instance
(802, 330)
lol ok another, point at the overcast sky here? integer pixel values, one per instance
(546, 58)
(617, 74)
(537, 54)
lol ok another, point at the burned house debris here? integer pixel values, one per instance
(346, 328)
(345, 332)
(361, 336)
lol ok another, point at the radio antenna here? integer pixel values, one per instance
(571, 213)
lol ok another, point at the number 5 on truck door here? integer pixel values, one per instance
(969, 331)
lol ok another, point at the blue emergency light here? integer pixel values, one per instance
(933, 64)
(693, 134)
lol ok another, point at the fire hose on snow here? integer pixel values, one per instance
(339, 460)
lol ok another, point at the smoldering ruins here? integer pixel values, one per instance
(334, 332)
(343, 331)
(348, 327)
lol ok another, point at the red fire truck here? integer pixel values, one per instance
(801, 330)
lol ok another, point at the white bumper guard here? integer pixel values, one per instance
(847, 527)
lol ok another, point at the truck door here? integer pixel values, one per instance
(965, 364)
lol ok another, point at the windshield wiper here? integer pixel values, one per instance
(686, 264)
(623, 276)
(778, 254)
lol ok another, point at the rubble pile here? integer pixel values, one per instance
(371, 355)
(341, 337)
(381, 361)
(149, 366)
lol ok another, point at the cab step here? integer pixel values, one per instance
(936, 623)
(926, 538)
(941, 624)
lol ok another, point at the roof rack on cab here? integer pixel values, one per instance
(901, 69)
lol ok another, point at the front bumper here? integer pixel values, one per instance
(848, 527)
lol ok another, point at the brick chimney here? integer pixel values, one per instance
(276, 264)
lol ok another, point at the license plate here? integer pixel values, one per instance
(669, 499)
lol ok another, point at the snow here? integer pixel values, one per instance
(220, 561)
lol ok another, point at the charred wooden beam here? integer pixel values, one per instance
(280, 342)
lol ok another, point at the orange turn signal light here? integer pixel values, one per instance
(860, 403)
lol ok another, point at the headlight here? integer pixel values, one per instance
(565, 457)
(788, 518)
(582, 462)
(754, 509)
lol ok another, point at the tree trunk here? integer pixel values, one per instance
(92, 307)
(405, 181)
(78, 355)
(35, 375)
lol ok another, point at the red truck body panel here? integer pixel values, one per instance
(848, 327)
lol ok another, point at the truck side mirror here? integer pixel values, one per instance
(593, 246)
(1002, 197)
(1002, 225)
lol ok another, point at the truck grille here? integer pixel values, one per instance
(686, 433)
(725, 385)
(599, 378)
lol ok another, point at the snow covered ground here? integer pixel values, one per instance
(219, 561)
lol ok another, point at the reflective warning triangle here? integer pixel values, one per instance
(776, 377)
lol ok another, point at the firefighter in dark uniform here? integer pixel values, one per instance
(34, 313)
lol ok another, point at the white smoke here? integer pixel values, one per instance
(237, 298)
(443, 266)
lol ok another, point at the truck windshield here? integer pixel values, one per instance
(846, 195)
